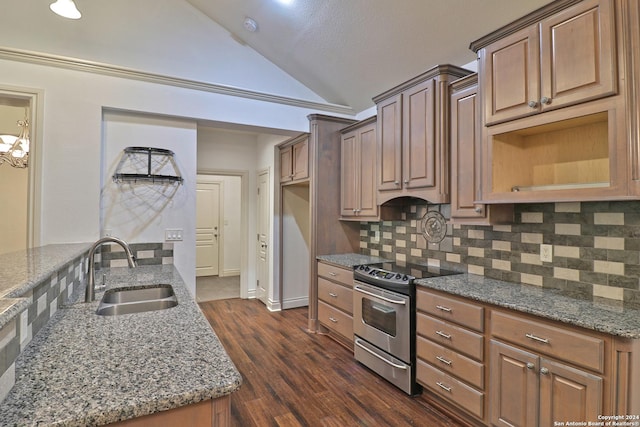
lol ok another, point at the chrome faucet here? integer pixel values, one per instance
(89, 294)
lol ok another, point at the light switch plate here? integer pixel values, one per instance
(546, 253)
(173, 234)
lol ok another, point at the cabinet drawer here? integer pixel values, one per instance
(451, 336)
(337, 295)
(448, 387)
(576, 348)
(450, 361)
(337, 274)
(462, 313)
(336, 320)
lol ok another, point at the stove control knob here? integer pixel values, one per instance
(366, 268)
(398, 276)
(405, 278)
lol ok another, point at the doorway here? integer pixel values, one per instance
(21, 215)
(219, 231)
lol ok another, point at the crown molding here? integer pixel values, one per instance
(132, 74)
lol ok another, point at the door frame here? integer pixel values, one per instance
(244, 222)
(35, 98)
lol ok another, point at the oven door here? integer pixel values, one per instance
(382, 318)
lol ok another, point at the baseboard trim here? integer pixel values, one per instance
(295, 302)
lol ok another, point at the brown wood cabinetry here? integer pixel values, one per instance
(498, 367)
(547, 390)
(412, 137)
(208, 413)
(450, 350)
(294, 159)
(335, 301)
(466, 159)
(558, 90)
(568, 57)
(358, 172)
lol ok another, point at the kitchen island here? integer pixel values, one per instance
(83, 369)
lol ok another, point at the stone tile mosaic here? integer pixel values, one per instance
(596, 246)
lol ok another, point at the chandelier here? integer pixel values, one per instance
(14, 150)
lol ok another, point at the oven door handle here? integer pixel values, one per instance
(388, 362)
(393, 301)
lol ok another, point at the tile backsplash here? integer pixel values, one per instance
(596, 246)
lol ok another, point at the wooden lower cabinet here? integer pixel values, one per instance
(335, 302)
(208, 413)
(530, 390)
(491, 366)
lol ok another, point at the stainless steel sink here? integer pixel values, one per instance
(137, 300)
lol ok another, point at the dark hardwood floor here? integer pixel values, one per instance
(294, 378)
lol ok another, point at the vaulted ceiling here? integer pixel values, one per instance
(348, 51)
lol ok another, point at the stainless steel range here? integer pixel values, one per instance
(384, 319)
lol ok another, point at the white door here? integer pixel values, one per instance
(262, 288)
(207, 227)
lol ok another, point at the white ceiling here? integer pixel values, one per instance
(348, 51)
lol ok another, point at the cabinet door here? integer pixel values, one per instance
(465, 155)
(510, 70)
(389, 144)
(367, 172)
(578, 54)
(348, 175)
(300, 157)
(514, 386)
(567, 393)
(286, 164)
(419, 137)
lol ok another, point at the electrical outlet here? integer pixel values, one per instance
(173, 234)
(546, 253)
(108, 232)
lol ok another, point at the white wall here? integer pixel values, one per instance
(141, 212)
(168, 37)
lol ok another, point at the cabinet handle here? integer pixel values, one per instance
(443, 360)
(544, 371)
(530, 365)
(396, 182)
(354, 210)
(443, 335)
(331, 273)
(333, 320)
(535, 338)
(406, 181)
(545, 100)
(331, 294)
(478, 209)
(443, 308)
(533, 104)
(444, 387)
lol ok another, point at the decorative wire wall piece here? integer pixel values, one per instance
(147, 164)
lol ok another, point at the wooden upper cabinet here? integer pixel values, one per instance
(466, 159)
(511, 76)
(389, 144)
(578, 54)
(300, 157)
(358, 171)
(412, 141)
(566, 58)
(294, 159)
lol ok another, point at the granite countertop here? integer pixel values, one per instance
(22, 270)
(603, 315)
(83, 369)
(350, 260)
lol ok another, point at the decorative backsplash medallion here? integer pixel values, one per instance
(596, 246)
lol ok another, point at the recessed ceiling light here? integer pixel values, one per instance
(285, 2)
(250, 25)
